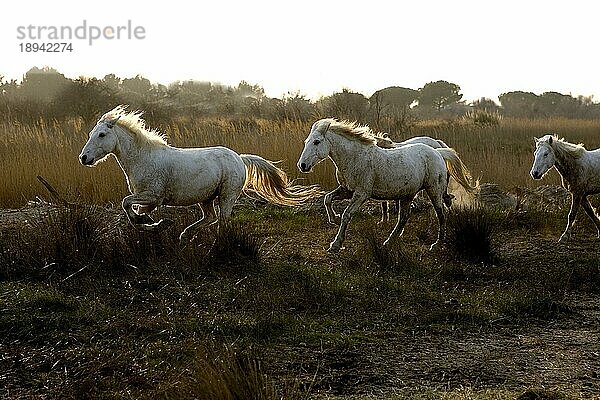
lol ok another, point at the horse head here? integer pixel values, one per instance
(101, 142)
(543, 156)
(316, 146)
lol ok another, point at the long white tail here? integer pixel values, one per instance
(271, 183)
(458, 170)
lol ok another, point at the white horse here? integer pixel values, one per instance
(384, 141)
(369, 171)
(579, 170)
(159, 174)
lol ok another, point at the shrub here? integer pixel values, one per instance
(469, 234)
(482, 117)
(235, 245)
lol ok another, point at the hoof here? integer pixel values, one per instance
(184, 239)
(165, 223)
(334, 247)
(336, 220)
(143, 219)
(156, 226)
(435, 245)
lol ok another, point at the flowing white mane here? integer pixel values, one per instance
(563, 148)
(360, 133)
(135, 124)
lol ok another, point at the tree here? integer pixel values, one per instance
(137, 89)
(558, 104)
(245, 89)
(519, 104)
(392, 104)
(344, 105)
(438, 95)
(87, 98)
(43, 84)
(486, 104)
(112, 82)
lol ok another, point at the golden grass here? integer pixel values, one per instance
(500, 154)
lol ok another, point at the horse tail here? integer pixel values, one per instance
(442, 144)
(267, 181)
(458, 170)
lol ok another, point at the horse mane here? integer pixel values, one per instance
(135, 124)
(361, 133)
(384, 141)
(565, 149)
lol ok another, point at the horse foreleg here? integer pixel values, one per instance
(358, 198)
(591, 213)
(575, 202)
(339, 193)
(404, 210)
(209, 217)
(144, 201)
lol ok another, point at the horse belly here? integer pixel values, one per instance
(397, 191)
(199, 177)
(189, 192)
(389, 186)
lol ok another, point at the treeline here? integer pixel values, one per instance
(48, 93)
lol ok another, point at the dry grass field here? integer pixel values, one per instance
(92, 308)
(500, 154)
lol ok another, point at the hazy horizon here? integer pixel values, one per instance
(317, 48)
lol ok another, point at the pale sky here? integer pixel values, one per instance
(318, 47)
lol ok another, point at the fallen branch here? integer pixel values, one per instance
(56, 197)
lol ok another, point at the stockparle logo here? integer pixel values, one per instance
(55, 38)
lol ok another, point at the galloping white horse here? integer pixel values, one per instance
(159, 174)
(369, 171)
(579, 170)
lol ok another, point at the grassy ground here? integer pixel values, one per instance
(91, 308)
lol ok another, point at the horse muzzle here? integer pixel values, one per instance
(304, 168)
(85, 160)
(536, 175)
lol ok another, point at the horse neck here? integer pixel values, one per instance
(127, 151)
(566, 165)
(346, 153)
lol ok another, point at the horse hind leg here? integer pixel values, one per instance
(447, 197)
(385, 214)
(589, 210)
(209, 217)
(437, 200)
(404, 210)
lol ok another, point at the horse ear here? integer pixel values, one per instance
(326, 127)
(536, 139)
(113, 122)
(550, 140)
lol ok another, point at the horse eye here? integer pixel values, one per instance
(102, 134)
(316, 142)
(546, 155)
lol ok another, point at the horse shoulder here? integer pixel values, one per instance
(359, 174)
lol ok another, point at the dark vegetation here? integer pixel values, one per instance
(91, 307)
(47, 92)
